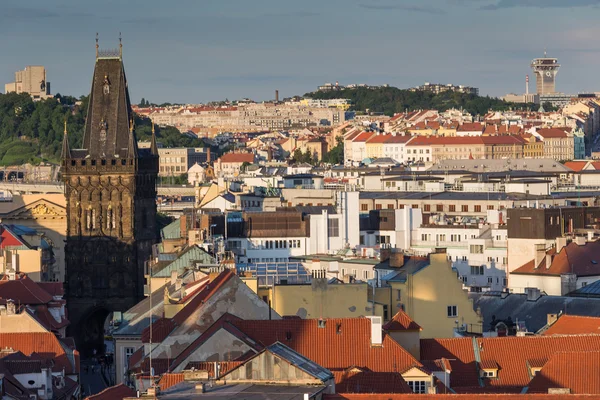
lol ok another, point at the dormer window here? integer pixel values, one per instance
(489, 369)
(490, 373)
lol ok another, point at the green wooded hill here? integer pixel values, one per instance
(391, 100)
(31, 132)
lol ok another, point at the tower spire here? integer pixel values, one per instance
(153, 145)
(132, 145)
(97, 47)
(66, 150)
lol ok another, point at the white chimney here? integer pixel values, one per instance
(548, 261)
(376, 331)
(540, 253)
(15, 262)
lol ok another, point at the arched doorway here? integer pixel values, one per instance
(92, 332)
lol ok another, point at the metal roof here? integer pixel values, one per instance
(590, 290)
(298, 360)
(533, 313)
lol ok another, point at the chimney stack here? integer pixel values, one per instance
(276, 96)
(376, 331)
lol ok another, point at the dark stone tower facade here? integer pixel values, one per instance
(110, 189)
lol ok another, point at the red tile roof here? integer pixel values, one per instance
(581, 260)
(363, 137)
(161, 328)
(445, 141)
(549, 133)
(43, 315)
(328, 348)
(576, 165)
(379, 139)
(23, 291)
(43, 345)
(170, 379)
(502, 140)
(205, 293)
(577, 371)
(237, 158)
(470, 127)
(511, 354)
(356, 380)
(136, 357)
(118, 392)
(398, 139)
(352, 135)
(574, 325)
(401, 322)
(53, 288)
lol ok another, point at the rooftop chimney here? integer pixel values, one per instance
(11, 309)
(540, 254)
(560, 243)
(533, 294)
(376, 331)
(276, 96)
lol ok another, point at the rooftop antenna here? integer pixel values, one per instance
(120, 46)
(96, 44)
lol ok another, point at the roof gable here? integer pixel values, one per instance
(577, 371)
(340, 344)
(574, 325)
(401, 322)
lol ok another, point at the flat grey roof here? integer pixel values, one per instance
(187, 390)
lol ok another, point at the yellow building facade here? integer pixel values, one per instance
(433, 297)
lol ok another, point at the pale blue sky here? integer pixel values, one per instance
(202, 50)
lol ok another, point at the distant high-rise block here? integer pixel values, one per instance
(31, 80)
(545, 70)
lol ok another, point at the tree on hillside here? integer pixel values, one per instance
(391, 100)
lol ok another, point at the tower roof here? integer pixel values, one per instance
(66, 150)
(106, 132)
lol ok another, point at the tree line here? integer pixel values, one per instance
(32, 132)
(391, 100)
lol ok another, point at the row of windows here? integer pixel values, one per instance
(267, 259)
(490, 280)
(366, 274)
(170, 160)
(251, 203)
(172, 168)
(427, 207)
(280, 244)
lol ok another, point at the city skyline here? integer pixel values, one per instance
(198, 53)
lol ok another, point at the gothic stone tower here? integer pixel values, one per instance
(110, 189)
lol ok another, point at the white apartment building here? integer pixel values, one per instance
(478, 252)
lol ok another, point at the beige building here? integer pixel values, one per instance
(31, 80)
(45, 214)
(252, 117)
(558, 144)
(177, 161)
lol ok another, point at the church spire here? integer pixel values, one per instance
(66, 150)
(132, 145)
(153, 145)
